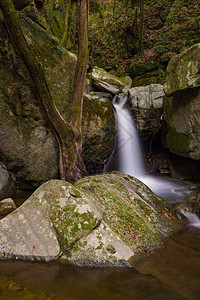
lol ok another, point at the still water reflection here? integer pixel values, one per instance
(170, 273)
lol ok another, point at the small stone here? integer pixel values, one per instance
(182, 208)
(8, 202)
(192, 199)
(164, 171)
(193, 187)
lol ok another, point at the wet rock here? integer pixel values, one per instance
(164, 171)
(193, 187)
(182, 208)
(102, 220)
(7, 183)
(193, 198)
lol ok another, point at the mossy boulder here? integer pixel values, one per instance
(181, 109)
(104, 81)
(183, 71)
(102, 220)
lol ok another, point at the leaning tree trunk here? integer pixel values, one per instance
(71, 163)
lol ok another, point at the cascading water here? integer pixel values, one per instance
(129, 155)
(129, 148)
(193, 219)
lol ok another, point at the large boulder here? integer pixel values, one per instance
(104, 81)
(103, 220)
(28, 146)
(183, 71)
(146, 106)
(182, 106)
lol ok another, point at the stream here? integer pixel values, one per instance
(172, 272)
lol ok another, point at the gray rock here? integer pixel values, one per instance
(147, 97)
(6, 206)
(102, 247)
(103, 81)
(183, 71)
(26, 234)
(182, 107)
(146, 105)
(183, 208)
(103, 220)
(7, 183)
(98, 132)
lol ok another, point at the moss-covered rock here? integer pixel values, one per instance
(98, 132)
(103, 81)
(183, 71)
(181, 110)
(103, 220)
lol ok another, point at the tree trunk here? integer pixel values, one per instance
(81, 68)
(71, 163)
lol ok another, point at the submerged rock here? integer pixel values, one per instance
(6, 206)
(103, 220)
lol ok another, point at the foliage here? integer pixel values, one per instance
(169, 27)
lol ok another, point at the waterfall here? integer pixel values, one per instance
(129, 148)
(128, 157)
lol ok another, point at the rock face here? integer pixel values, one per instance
(104, 220)
(146, 105)
(182, 106)
(28, 146)
(183, 71)
(7, 183)
(103, 81)
(98, 132)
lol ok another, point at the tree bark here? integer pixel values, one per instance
(71, 163)
(81, 68)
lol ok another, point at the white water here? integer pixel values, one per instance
(193, 219)
(129, 155)
(128, 141)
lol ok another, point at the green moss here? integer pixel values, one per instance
(178, 141)
(111, 249)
